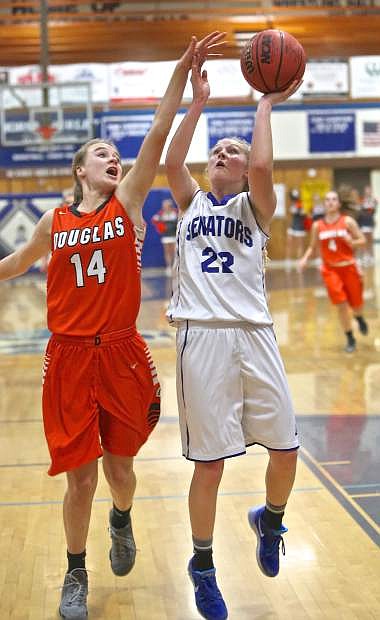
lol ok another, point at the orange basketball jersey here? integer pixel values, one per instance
(332, 240)
(93, 283)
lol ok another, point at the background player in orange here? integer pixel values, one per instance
(338, 236)
(165, 222)
(101, 393)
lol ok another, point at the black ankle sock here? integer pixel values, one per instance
(272, 517)
(76, 560)
(120, 518)
(362, 323)
(350, 337)
(202, 559)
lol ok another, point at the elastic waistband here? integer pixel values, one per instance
(218, 324)
(98, 339)
(342, 263)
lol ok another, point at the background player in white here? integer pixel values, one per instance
(231, 385)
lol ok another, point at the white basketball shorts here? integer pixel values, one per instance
(232, 390)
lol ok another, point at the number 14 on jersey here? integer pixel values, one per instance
(95, 268)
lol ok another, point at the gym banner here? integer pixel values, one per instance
(230, 123)
(298, 133)
(331, 131)
(126, 130)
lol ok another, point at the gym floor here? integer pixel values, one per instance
(331, 567)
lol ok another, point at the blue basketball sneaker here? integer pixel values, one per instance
(268, 542)
(208, 598)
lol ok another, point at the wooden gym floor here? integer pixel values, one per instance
(332, 564)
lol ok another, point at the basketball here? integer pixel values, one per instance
(272, 60)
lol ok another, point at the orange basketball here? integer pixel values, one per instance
(272, 60)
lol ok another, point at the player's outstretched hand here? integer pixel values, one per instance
(207, 47)
(301, 265)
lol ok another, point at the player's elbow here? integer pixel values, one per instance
(161, 127)
(173, 165)
(262, 166)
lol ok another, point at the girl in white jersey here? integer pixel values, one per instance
(231, 384)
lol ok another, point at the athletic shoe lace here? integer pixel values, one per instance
(208, 590)
(76, 589)
(123, 542)
(273, 545)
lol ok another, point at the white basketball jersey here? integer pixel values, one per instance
(218, 272)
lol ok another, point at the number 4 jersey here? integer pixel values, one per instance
(332, 237)
(93, 283)
(219, 269)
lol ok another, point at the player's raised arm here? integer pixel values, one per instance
(39, 245)
(134, 188)
(260, 172)
(181, 183)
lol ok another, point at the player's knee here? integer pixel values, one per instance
(209, 473)
(118, 475)
(284, 459)
(83, 485)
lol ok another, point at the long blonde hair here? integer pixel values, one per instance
(78, 160)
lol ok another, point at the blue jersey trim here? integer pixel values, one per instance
(218, 203)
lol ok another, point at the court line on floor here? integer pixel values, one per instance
(345, 499)
(137, 459)
(184, 496)
(334, 463)
(363, 485)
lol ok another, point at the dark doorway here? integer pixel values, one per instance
(357, 178)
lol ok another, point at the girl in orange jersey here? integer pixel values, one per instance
(101, 392)
(338, 236)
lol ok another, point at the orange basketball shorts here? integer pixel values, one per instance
(344, 284)
(98, 392)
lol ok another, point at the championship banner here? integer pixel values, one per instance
(331, 131)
